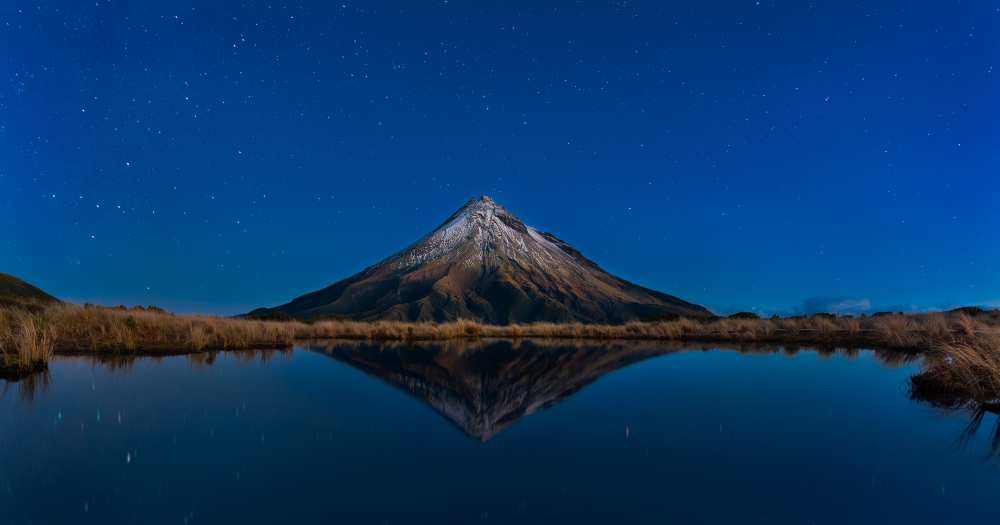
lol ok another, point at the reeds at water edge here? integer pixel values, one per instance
(962, 371)
(26, 340)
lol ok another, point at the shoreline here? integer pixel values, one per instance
(962, 347)
(813, 339)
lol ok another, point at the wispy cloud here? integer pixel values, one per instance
(856, 306)
(834, 305)
(847, 306)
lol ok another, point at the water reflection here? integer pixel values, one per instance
(978, 414)
(31, 384)
(483, 387)
(28, 386)
(125, 362)
(640, 432)
(975, 411)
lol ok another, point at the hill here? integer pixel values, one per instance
(16, 292)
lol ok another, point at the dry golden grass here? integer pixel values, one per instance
(26, 339)
(97, 329)
(961, 371)
(72, 328)
(897, 331)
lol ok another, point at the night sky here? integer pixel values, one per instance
(778, 156)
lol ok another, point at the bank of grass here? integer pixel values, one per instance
(963, 345)
(962, 372)
(26, 342)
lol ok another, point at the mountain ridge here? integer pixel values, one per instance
(483, 263)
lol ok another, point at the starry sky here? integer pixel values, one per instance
(777, 156)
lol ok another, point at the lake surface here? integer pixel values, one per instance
(502, 432)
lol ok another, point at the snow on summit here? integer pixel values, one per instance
(494, 232)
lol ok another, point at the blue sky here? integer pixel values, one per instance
(776, 156)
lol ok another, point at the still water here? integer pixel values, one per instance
(503, 432)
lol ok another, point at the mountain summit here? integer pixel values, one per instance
(484, 264)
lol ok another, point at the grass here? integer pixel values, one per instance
(963, 371)
(963, 345)
(89, 329)
(85, 329)
(26, 342)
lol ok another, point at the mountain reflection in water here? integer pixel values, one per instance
(365, 432)
(485, 386)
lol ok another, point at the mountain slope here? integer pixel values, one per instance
(15, 292)
(484, 264)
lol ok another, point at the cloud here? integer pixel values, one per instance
(846, 306)
(834, 305)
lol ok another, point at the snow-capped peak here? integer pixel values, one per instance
(482, 232)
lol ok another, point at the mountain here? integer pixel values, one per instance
(484, 264)
(485, 387)
(15, 292)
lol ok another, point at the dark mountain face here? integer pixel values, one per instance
(484, 264)
(15, 292)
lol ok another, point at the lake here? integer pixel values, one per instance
(499, 431)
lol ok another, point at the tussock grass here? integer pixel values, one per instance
(962, 371)
(86, 329)
(26, 341)
(98, 329)
(73, 328)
